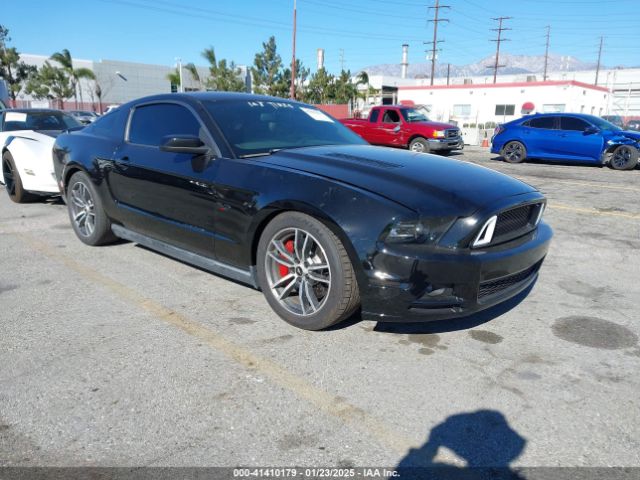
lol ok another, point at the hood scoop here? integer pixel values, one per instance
(365, 160)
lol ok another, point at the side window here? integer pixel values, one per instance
(391, 116)
(109, 125)
(374, 116)
(151, 123)
(543, 122)
(573, 123)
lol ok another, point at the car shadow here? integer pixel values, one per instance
(538, 161)
(483, 439)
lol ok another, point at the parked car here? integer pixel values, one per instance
(566, 137)
(406, 127)
(84, 116)
(633, 125)
(279, 196)
(26, 137)
(615, 119)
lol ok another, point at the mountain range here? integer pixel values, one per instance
(514, 64)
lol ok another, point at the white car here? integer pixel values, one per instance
(26, 138)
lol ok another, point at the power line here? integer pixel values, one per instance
(498, 40)
(434, 44)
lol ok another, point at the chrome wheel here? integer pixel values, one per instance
(621, 157)
(298, 271)
(417, 147)
(82, 209)
(514, 152)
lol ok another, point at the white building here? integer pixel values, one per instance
(467, 104)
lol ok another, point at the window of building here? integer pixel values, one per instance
(573, 123)
(462, 110)
(151, 123)
(505, 110)
(543, 122)
(553, 107)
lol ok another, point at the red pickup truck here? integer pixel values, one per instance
(406, 127)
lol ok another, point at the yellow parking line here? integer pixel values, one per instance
(593, 211)
(335, 406)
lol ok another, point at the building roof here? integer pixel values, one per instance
(547, 83)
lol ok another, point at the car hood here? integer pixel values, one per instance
(631, 134)
(428, 184)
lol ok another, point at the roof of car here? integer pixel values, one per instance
(210, 96)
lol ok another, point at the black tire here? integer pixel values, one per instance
(624, 157)
(341, 297)
(419, 145)
(80, 190)
(13, 182)
(514, 152)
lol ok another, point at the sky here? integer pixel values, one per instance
(354, 33)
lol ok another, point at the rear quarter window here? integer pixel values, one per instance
(110, 125)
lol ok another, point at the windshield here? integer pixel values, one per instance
(255, 128)
(602, 124)
(39, 121)
(413, 115)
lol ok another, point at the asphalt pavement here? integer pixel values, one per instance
(119, 356)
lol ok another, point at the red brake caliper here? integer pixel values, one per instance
(284, 271)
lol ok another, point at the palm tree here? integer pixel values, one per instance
(193, 71)
(174, 77)
(361, 79)
(75, 74)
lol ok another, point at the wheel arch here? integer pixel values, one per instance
(278, 208)
(68, 172)
(414, 136)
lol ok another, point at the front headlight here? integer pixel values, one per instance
(438, 134)
(426, 231)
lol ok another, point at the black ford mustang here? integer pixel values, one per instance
(277, 195)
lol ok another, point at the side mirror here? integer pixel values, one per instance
(591, 130)
(184, 144)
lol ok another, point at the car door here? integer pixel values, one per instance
(388, 129)
(538, 135)
(575, 141)
(166, 195)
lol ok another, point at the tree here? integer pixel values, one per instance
(174, 78)
(193, 71)
(266, 71)
(52, 83)
(282, 87)
(74, 74)
(344, 90)
(12, 69)
(320, 88)
(222, 77)
(363, 79)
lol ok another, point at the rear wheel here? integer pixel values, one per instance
(305, 272)
(624, 157)
(88, 218)
(13, 182)
(514, 152)
(419, 145)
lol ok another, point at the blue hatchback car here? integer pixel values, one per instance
(567, 137)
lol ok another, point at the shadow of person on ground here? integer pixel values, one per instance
(482, 439)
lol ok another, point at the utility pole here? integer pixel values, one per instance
(180, 74)
(341, 60)
(498, 40)
(434, 44)
(599, 57)
(292, 92)
(448, 72)
(546, 54)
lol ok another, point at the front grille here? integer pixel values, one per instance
(513, 220)
(493, 287)
(452, 133)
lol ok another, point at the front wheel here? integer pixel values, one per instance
(13, 182)
(514, 152)
(419, 145)
(624, 157)
(305, 272)
(88, 218)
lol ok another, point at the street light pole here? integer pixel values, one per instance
(179, 60)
